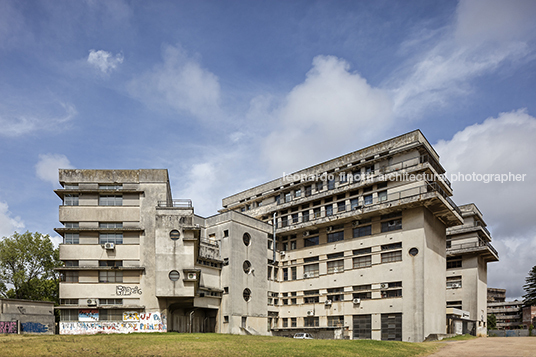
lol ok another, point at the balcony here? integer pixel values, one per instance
(429, 194)
(481, 247)
(177, 203)
(209, 250)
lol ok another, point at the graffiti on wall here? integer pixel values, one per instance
(130, 316)
(147, 322)
(122, 290)
(89, 315)
(33, 327)
(8, 327)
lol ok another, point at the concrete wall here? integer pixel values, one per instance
(33, 316)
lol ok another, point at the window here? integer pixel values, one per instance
(110, 276)
(311, 296)
(391, 293)
(246, 238)
(285, 322)
(381, 185)
(454, 304)
(362, 262)
(362, 251)
(316, 212)
(71, 263)
(336, 294)
(335, 321)
(285, 274)
(293, 322)
(310, 271)
(369, 169)
(293, 245)
(331, 184)
(116, 238)
(71, 186)
(246, 266)
(354, 203)
(362, 231)
(174, 234)
(343, 177)
(110, 224)
(284, 221)
(288, 197)
(336, 266)
(70, 277)
(70, 200)
(362, 327)
(285, 246)
(392, 225)
(110, 200)
(392, 246)
(110, 187)
(454, 262)
(311, 321)
(392, 257)
(335, 237)
(294, 273)
(382, 196)
(69, 302)
(308, 242)
(295, 218)
(246, 294)
(71, 238)
(363, 296)
(336, 255)
(69, 315)
(297, 193)
(226, 233)
(276, 274)
(341, 206)
(367, 199)
(329, 210)
(305, 216)
(454, 282)
(226, 319)
(110, 315)
(72, 225)
(311, 259)
(111, 301)
(111, 263)
(319, 185)
(391, 327)
(362, 287)
(269, 273)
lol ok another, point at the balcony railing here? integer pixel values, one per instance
(470, 245)
(368, 203)
(180, 203)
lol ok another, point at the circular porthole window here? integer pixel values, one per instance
(246, 266)
(174, 234)
(246, 294)
(174, 275)
(246, 238)
(413, 252)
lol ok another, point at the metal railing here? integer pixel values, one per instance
(180, 203)
(366, 203)
(473, 245)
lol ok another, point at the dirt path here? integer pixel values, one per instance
(489, 347)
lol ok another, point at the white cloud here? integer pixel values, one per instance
(47, 167)
(333, 111)
(499, 145)
(9, 224)
(18, 119)
(180, 83)
(484, 36)
(104, 61)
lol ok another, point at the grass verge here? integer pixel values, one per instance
(212, 345)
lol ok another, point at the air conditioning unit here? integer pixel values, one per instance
(306, 233)
(92, 302)
(455, 286)
(305, 275)
(384, 286)
(191, 276)
(310, 313)
(282, 253)
(329, 229)
(109, 246)
(328, 302)
(356, 301)
(355, 223)
(335, 270)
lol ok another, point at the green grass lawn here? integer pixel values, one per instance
(207, 345)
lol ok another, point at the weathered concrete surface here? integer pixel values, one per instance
(489, 347)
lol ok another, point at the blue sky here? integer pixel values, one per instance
(230, 94)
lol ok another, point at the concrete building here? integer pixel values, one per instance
(26, 316)
(496, 295)
(358, 250)
(469, 250)
(509, 314)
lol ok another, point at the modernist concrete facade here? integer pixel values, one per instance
(359, 251)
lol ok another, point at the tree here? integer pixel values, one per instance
(492, 322)
(27, 263)
(529, 298)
